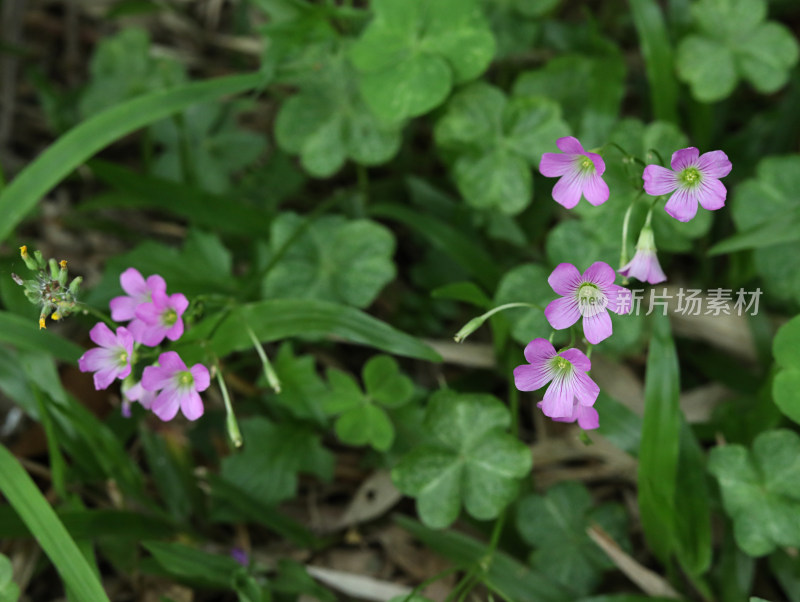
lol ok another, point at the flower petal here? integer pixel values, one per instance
(175, 331)
(595, 190)
(577, 358)
(588, 417)
(97, 358)
(201, 377)
(659, 180)
(682, 205)
(599, 164)
(528, 377)
(619, 299)
(171, 361)
(586, 390)
(568, 190)
(597, 328)
(562, 312)
(101, 335)
(553, 165)
(155, 378)
(570, 144)
(156, 283)
(686, 157)
(539, 350)
(166, 405)
(714, 164)
(191, 405)
(565, 279)
(601, 274)
(179, 303)
(123, 308)
(132, 282)
(557, 401)
(712, 194)
(104, 378)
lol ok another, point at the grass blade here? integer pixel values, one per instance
(21, 492)
(88, 137)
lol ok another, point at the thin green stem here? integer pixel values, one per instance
(476, 323)
(88, 309)
(623, 256)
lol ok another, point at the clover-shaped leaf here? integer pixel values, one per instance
(123, 68)
(761, 490)
(413, 52)
(205, 145)
(786, 385)
(555, 525)
(470, 459)
(772, 196)
(361, 419)
(571, 80)
(327, 122)
(492, 142)
(301, 387)
(733, 42)
(273, 454)
(333, 259)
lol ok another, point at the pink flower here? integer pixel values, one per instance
(694, 178)
(160, 318)
(178, 387)
(589, 295)
(644, 266)
(139, 291)
(136, 392)
(571, 393)
(112, 359)
(579, 173)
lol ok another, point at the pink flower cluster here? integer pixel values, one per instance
(151, 317)
(588, 296)
(693, 180)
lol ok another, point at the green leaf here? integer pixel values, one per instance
(204, 146)
(384, 382)
(293, 317)
(465, 291)
(692, 506)
(22, 493)
(366, 425)
(526, 283)
(570, 80)
(786, 384)
(413, 51)
(193, 565)
(556, 523)
(302, 389)
(734, 42)
(333, 259)
(9, 591)
(84, 140)
(659, 449)
(494, 142)
(328, 122)
(654, 40)
(26, 334)
(761, 490)
(266, 468)
(771, 198)
(472, 460)
(122, 68)
(781, 229)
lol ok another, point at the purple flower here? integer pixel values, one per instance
(694, 178)
(139, 291)
(579, 173)
(136, 392)
(160, 318)
(644, 266)
(571, 392)
(112, 359)
(589, 295)
(240, 556)
(177, 386)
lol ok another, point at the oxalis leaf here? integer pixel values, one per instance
(412, 53)
(361, 419)
(555, 524)
(492, 141)
(470, 460)
(328, 122)
(333, 259)
(786, 384)
(761, 490)
(734, 42)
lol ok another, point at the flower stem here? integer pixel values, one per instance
(88, 309)
(230, 419)
(269, 371)
(476, 323)
(623, 255)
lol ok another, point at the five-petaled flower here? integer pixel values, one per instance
(571, 393)
(579, 173)
(112, 359)
(161, 318)
(644, 266)
(694, 178)
(589, 295)
(178, 387)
